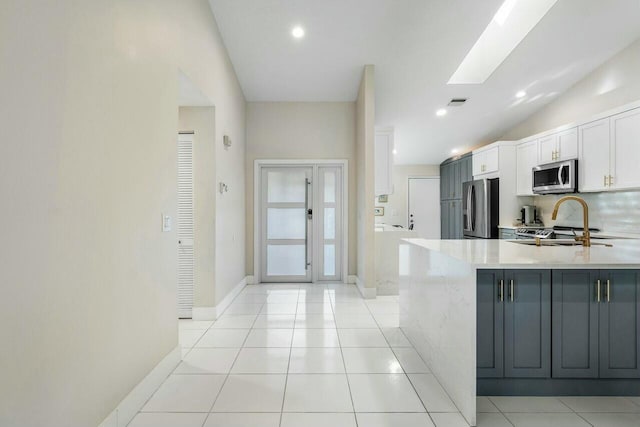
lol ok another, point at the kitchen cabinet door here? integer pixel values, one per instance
(620, 324)
(478, 160)
(575, 323)
(625, 150)
(490, 326)
(492, 160)
(527, 324)
(444, 183)
(547, 147)
(465, 170)
(444, 219)
(456, 181)
(567, 145)
(455, 223)
(593, 155)
(526, 160)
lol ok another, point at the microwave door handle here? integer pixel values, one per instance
(560, 181)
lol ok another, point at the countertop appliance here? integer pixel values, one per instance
(556, 178)
(480, 208)
(528, 214)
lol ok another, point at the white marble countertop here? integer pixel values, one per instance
(625, 253)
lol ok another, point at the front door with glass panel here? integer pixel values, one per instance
(301, 223)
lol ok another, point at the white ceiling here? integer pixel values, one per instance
(416, 45)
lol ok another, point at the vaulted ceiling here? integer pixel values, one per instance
(416, 45)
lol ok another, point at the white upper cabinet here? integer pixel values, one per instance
(383, 161)
(526, 160)
(567, 148)
(486, 161)
(593, 155)
(547, 149)
(625, 150)
(558, 146)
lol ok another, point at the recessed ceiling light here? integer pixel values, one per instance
(510, 25)
(455, 151)
(395, 151)
(521, 94)
(441, 112)
(297, 32)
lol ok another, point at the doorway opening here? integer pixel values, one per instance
(300, 221)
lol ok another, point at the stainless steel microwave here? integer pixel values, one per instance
(556, 178)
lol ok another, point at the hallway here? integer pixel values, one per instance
(319, 355)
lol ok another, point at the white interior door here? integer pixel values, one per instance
(287, 224)
(424, 206)
(185, 226)
(300, 219)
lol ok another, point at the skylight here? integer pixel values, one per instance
(510, 25)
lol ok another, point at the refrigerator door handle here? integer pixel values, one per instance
(467, 226)
(472, 197)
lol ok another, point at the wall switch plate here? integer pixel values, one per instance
(166, 223)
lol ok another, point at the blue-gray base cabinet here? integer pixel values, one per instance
(546, 332)
(514, 323)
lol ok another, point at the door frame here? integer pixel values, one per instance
(257, 223)
(409, 178)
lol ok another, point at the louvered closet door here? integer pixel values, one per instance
(185, 225)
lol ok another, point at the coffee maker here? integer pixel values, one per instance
(528, 215)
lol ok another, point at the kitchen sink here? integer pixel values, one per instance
(557, 242)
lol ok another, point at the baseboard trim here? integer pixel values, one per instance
(226, 302)
(367, 293)
(203, 313)
(251, 280)
(352, 279)
(135, 400)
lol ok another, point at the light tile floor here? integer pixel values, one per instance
(320, 355)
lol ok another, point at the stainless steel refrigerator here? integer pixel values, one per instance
(480, 208)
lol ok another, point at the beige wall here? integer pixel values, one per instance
(395, 210)
(365, 146)
(201, 120)
(613, 84)
(89, 118)
(300, 130)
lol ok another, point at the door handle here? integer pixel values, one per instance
(560, 175)
(307, 212)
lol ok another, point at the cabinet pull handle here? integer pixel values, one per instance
(598, 290)
(610, 180)
(511, 293)
(608, 290)
(501, 290)
(605, 180)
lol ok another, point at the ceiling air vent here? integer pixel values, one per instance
(457, 102)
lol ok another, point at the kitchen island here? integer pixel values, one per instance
(512, 290)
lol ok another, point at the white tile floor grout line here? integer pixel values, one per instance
(286, 378)
(341, 302)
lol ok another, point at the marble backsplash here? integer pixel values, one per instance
(612, 212)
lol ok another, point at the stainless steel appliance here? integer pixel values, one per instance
(480, 208)
(556, 178)
(528, 215)
(532, 233)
